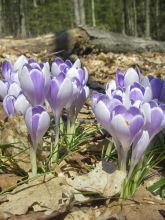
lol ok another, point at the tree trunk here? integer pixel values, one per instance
(135, 18)
(147, 9)
(1, 19)
(93, 13)
(83, 41)
(157, 18)
(22, 19)
(35, 4)
(82, 12)
(125, 17)
(76, 12)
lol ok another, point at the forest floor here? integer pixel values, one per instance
(52, 196)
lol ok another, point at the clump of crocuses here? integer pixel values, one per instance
(132, 112)
(28, 86)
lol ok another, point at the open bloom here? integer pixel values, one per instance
(35, 82)
(59, 93)
(37, 121)
(123, 124)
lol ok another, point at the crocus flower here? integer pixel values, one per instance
(8, 105)
(35, 83)
(7, 71)
(13, 105)
(59, 93)
(123, 124)
(154, 118)
(58, 96)
(37, 121)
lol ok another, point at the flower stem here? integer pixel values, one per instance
(33, 160)
(123, 163)
(56, 145)
(70, 127)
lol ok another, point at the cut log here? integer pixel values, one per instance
(84, 40)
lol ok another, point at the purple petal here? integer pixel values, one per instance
(8, 105)
(95, 97)
(136, 94)
(38, 86)
(58, 61)
(119, 78)
(156, 85)
(7, 70)
(136, 126)
(35, 121)
(139, 147)
(68, 63)
(52, 93)
(155, 125)
(84, 93)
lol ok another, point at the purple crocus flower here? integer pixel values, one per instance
(7, 71)
(70, 70)
(35, 83)
(154, 122)
(123, 124)
(13, 105)
(59, 93)
(8, 105)
(37, 121)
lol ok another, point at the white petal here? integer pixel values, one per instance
(64, 94)
(27, 85)
(121, 129)
(43, 125)
(55, 69)
(77, 64)
(21, 104)
(102, 115)
(14, 89)
(147, 94)
(21, 61)
(130, 77)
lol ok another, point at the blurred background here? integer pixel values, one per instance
(30, 18)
